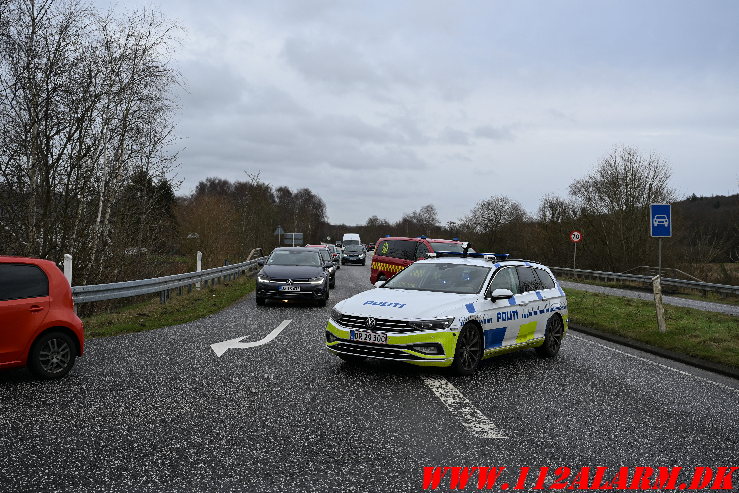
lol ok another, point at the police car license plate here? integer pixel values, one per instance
(289, 288)
(367, 336)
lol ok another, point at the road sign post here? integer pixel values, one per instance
(660, 226)
(575, 237)
(279, 232)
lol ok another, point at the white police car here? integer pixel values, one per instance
(453, 311)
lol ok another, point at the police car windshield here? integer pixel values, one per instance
(441, 277)
(294, 258)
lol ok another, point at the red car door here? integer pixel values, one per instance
(24, 304)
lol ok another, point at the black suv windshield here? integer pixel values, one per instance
(442, 277)
(286, 257)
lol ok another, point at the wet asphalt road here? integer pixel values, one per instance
(158, 411)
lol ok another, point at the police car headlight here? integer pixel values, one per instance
(261, 277)
(336, 315)
(316, 280)
(440, 324)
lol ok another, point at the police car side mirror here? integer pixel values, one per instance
(380, 284)
(501, 294)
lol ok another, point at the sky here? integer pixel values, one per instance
(381, 107)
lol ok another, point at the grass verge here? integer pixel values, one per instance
(706, 335)
(151, 314)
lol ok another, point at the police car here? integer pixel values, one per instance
(452, 311)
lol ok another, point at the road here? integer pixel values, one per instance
(668, 300)
(159, 411)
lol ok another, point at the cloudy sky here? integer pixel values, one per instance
(381, 107)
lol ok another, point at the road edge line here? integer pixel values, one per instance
(719, 368)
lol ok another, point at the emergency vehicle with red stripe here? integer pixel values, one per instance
(395, 253)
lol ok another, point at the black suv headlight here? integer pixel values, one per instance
(261, 277)
(336, 315)
(440, 324)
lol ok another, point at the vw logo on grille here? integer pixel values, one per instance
(370, 323)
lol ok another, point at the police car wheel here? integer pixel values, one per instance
(468, 353)
(555, 331)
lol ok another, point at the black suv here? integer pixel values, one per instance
(297, 273)
(354, 254)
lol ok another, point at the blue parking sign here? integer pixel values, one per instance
(660, 220)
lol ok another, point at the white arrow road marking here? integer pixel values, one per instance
(461, 408)
(221, 347)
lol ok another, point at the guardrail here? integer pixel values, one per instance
(726, 289)
(162, 285)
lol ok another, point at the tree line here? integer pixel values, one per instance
(226, 220)
(85, 128)
(610, 207)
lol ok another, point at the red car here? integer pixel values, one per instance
(38, 326)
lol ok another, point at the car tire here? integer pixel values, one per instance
(553, 336)
(332, 284)
(468, 353)
(352, 359)
(52, 355)
(261, 301)
(364, 263)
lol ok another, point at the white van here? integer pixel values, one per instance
(350, 239)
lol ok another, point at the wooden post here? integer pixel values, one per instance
(657, 287)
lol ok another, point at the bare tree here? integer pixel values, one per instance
(488, 218)
(614, 203)
(84, 107)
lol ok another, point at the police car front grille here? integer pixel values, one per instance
(381, 324)
(370, 350)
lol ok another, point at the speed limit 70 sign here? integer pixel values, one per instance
(576, 237)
